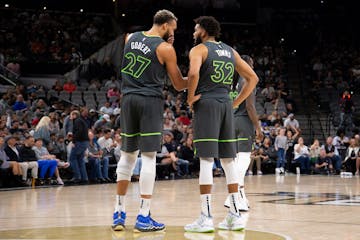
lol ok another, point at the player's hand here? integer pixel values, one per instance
(259, 134)
(192, 99)
(171, 39)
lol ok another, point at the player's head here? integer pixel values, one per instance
(167, 23)
(248, 60)
(206, 26)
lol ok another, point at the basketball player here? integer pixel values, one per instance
(148, 59)
(212, 65)
(246, 124)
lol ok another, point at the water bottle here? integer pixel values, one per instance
(297, 171)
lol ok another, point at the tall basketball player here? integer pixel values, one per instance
(246, 124)
(212, 66)
(148, 58)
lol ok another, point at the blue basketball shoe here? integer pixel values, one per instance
(119, 221)
(147, 224)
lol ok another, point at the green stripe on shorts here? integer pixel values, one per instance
(242, 139)
(141, 134)
(214, 140)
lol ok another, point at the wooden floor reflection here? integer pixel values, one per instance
(306, 207)
(105, 233)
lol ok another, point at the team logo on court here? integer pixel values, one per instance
(312, 198)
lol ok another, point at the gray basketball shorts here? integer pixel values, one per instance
(214, 134)
(244, 131)
(141, 123)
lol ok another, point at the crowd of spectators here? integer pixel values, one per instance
(37, 125)
(33, 37)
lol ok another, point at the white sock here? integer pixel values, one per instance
(242, 192)
(234, 203)
(206, 204)
(120, 203)
(145, 206)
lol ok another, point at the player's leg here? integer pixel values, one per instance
(129, 154)
(150, 138)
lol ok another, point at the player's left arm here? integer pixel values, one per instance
(196, 59)
(250, 107)
(167, 53)
(250, 77)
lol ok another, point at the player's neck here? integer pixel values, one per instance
(209, 39)
(154, 31)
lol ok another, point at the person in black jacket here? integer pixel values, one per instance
(81, 143)
(14, 154)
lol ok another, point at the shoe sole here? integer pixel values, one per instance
(238, 229)
(232, 229)
(136, 230)
(118, 227)
(208, 230)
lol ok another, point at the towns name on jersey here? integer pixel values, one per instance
(140, 46)
(224, 53)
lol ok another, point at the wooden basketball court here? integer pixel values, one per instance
(282, 207)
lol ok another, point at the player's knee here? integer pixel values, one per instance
(126, 165)
(206, 176)
(228, 164)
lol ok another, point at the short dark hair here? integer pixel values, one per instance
(246, 58)
(210, 24)
(163, 16)
(106, 131)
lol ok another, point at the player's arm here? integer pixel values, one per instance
(250, 77)
(127, 37)
(167, 55)
(196, 59)
(250, 107)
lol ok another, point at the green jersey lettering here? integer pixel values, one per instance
(133, 60)
(220, 68)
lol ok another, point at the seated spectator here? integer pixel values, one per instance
(302, 156)
(56, 146)
(181, 165)
(168, 123)
(107, 109)
(47, 162)
(112, 83)
(57, 86)
(268, 91)
(28, 156)
(314, 151)
(341, 142)
(113, 94)
(323, 164)
(186, 152)
(42, 130)
(350, 160)
(5, 163)
(263, 152)
(333, 154)
(12, 152)
(184, 119)
(69, 86)
(20, 103)
(291, 123)
(103, 122)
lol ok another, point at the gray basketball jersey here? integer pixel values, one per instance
(241, 110)
(216, 73)
(141, 70)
